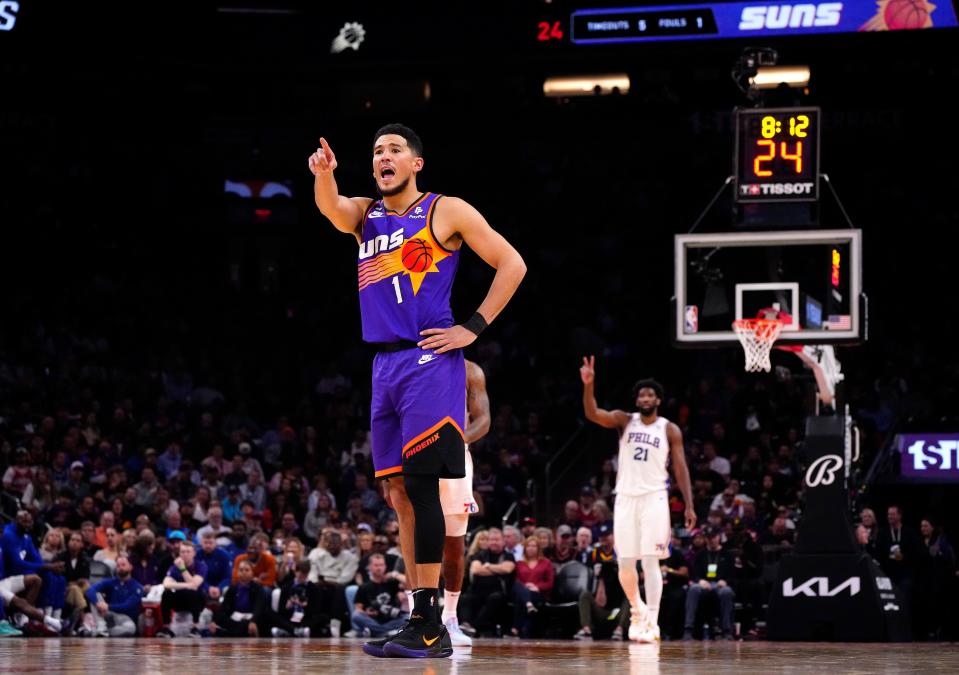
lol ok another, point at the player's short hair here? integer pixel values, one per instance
(649, 383)
(412, 138)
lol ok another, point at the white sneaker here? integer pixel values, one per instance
(583, 635)
(649, 635)
(637, 625)
(457, 637)
(303, 632)
(279, 632)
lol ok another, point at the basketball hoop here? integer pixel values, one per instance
(757, 337)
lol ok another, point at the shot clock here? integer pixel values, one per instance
(777, 155)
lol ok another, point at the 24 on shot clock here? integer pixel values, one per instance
(777, 155)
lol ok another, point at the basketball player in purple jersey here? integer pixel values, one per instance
(409, 247)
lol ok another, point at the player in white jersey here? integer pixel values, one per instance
(641, 526)
(456, 496)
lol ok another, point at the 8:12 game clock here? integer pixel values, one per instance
(777, 154)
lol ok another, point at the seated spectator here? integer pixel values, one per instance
(293, 553)
(20, 474)
(712, 571)
(738, 496)
(778, 535)
(513, 540)
(86, 512)
(231, 506)
(216, 526)
(219, 567)
(18, 592)
(729, 506)
(604, 483)
(333, 567)
(259, 556)
(545, 537)
(718, 464)
(244, 605)
(111, 550)
(39, 495)
(217, 460)
(378, 603)
(369, 498)
(318, 517)
(253, 491)
(480, 543)
(143, 559)
(564, 551)
(320, 489)
(584, 545)
(115, 603)
(61, 514)
(299, 610)
(21, 558)
(603, 611)
(76, 571)
(202, 501)
(185, 588)
(571, 515)
(332, 563)
(675, 580)
(238, 541)
(534, 581)
(107, 520)
(147, 488)
(491, 579)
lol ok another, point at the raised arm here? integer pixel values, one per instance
(477, 402)
(462, 221)
(681, 472)
(611, 419)
(346, 213)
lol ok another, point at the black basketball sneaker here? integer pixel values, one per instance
(420, 640)
(375, 647)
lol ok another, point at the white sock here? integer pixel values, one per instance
(57, 613)
(409, 601)
(653, 582)
(450, 600)
(48, 611)
(53, 623)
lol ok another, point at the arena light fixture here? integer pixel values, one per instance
(586, 85)
(770, 77)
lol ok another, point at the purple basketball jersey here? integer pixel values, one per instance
(405, 275)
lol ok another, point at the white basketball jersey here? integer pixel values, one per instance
(643, 457)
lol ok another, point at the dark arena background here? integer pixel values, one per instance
(180, 340)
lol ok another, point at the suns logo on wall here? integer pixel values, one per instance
(901, 15)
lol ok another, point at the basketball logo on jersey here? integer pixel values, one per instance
(415, 256)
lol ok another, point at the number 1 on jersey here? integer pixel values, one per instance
(396, 286)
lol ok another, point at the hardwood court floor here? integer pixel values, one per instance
(106, 656)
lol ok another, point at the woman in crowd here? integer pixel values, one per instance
(76, 572)
(243, 606)
(480, 543)
(38, 496)
(201, 504)
(293, 552)
(146, 565)
(109, 553)
(534, 581)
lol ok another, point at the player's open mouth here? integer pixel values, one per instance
(387, 173)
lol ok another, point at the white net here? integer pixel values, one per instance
(757, 337)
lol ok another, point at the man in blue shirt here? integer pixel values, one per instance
(115, 603)
(10, 586)
(185, 586)
(218, 563)
(21, 558)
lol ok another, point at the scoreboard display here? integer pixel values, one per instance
(777, 155)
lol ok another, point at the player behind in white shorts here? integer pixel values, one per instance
(456, 495)
(641, 527)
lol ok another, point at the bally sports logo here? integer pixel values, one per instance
(808, 15)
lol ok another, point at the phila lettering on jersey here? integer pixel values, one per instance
(643, 457)
(404, 274)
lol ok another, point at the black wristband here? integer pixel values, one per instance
(476, 324)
